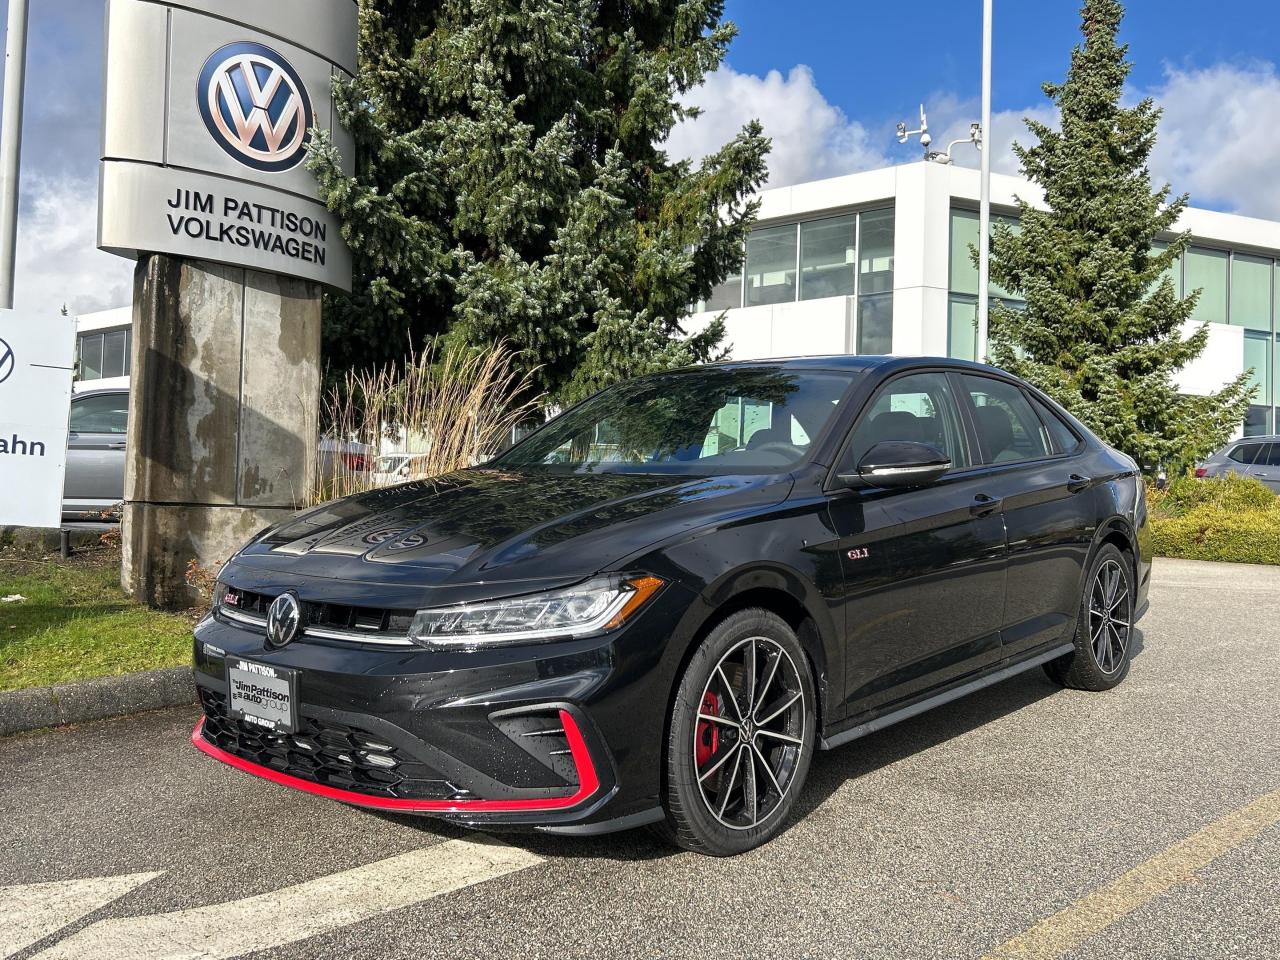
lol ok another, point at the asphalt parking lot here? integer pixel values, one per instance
(1024, 821)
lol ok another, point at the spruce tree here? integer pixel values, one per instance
(1102, 328)
(510, 184)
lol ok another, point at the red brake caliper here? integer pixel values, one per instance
(708, 733)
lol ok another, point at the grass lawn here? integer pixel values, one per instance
(76, 623)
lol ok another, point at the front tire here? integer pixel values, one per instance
(1104, 630)
(741, 736)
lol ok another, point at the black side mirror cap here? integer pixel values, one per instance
(901, 463)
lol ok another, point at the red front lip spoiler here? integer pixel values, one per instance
(588, 782)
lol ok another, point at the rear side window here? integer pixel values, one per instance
(1064, 439)
(1245, 453)
(1272, 456)
(1008, 429)
(100, 413)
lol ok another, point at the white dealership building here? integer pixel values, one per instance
(878, 262)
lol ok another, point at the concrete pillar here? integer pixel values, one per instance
(222, 416)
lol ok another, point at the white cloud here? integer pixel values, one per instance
(1217, 140)
(812, 138)
(949, 120)
(57, 259)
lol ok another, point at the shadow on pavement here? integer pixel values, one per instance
(829, 771)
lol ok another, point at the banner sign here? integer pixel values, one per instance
(209, 107)
(36, 362)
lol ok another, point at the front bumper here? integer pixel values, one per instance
(560, 736)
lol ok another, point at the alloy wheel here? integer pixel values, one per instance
(1109, 616)
(749, 734)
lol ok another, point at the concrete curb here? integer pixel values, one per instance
(95, 699)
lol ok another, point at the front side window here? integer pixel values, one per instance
(918, 408)
(1008, 429)
(713, 421)
(101, 413)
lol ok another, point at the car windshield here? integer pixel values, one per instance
(706, 421)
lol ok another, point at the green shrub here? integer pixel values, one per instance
(1212, 533)
(1230, 492)
(1230, 518)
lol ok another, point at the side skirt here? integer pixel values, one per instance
(944, 696)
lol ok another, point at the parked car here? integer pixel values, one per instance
(1257, 457)
(764, 559)
(94, 481)
(398, 467)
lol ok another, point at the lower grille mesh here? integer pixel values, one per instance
(336, 755)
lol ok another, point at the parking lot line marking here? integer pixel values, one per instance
(32, 911)
(1177, 864)
(294, 913)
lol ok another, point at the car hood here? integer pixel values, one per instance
(485, 525)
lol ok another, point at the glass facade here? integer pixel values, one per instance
(850, 255)
(103, 354)
(962, 301)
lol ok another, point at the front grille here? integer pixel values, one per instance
(331, 621)
(332, 754)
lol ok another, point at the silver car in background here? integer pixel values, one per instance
(1257, 457)
(94, 483)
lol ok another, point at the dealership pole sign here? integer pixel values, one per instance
(35, 395)
(208, 113)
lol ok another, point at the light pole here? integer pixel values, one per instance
(984, 190)
(15, 68)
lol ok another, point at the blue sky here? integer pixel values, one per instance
(880, 59)
(828, 78)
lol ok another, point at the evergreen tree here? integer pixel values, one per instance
(1102, 328)
(510, 184)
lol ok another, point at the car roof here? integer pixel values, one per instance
(848, 361)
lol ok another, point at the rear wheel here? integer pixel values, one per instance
(1105, 627)
(741, 736)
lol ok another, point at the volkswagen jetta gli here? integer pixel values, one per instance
(656, 607)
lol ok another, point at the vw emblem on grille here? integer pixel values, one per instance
(284, 618)
(255, 106)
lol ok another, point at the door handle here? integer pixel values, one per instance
(983, 505)
(118, 445)
(1076, 483)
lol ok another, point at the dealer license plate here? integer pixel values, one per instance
(262, 695)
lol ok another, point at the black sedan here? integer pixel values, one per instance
(656, 607)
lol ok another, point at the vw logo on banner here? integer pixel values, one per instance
(255, 106)
(6, 361)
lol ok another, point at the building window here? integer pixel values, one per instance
(962, 320)
(827, 257)
(876, 258)
(771, 265)
(875, 323)
(1206, 270)
(1251, 292)
(104, 354)
(725, 296)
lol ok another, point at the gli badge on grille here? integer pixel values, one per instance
(284, 619)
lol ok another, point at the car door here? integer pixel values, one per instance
(1035, 465)
(1266, 466)
(924, 568)
(96, 449)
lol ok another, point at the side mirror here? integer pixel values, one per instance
(899, 464)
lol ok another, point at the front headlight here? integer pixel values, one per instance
(597, 606)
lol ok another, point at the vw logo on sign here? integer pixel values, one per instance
(255, 106)
(284, 617)
(6, 361)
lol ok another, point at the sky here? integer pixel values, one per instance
(827, 78)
